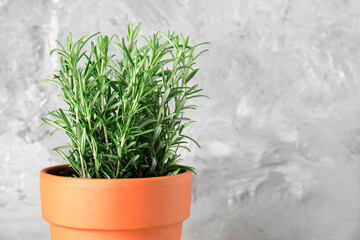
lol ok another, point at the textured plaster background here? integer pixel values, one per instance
(280, 136)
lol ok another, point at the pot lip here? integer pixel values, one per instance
(46, 173)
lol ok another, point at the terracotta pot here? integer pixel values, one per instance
(115, 209)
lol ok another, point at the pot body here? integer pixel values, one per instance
(115, 209)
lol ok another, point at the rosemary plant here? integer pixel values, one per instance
(125, 116)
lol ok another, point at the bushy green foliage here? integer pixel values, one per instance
(125, 115)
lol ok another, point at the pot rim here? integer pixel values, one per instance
(47, 172)
(70, 202)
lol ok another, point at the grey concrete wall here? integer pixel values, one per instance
(280, 136)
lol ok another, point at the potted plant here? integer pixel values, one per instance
(125, 121)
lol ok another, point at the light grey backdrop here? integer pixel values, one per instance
(280, 136)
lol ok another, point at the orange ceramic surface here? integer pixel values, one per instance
(115, 209)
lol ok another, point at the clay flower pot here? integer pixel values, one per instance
(115, 209)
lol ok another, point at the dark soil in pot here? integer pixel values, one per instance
(68, 172)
